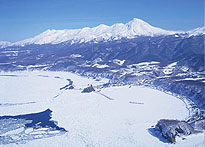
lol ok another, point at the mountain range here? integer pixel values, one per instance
(132, 29)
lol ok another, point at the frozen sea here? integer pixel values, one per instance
(38, 109)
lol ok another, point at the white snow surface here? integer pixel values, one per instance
(75, 56)
(133, 28)
(197, 31)
(119, 62)
(90, 118)
(4, 44)
(169, 68)
(100, 66)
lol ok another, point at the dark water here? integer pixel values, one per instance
(39, 124)
(57, 77)
(43, 76)
(41, 119)
(9, 76)
(66, 86)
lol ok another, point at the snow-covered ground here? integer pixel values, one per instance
(114, 116)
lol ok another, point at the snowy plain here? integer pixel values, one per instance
(91, 119)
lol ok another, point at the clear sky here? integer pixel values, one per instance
(21, 19)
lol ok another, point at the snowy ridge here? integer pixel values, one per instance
(4, 43)
(197, 31)
(133, 28)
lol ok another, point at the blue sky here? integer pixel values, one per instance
(21, 19)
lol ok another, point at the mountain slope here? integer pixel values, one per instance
(187, 52)
(197, 31)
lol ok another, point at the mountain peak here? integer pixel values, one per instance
(137, 21)
(139, 27)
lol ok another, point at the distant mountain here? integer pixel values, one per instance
(4, 43)
(133, 28)
(106, 47)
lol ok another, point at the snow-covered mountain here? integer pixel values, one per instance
(133, 28)
(4, 43)
(197, 31)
